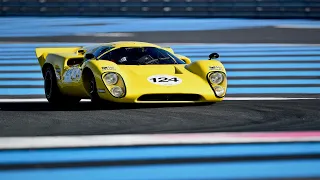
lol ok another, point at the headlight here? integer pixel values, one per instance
(111, 78)
(117, 91)
(219, 91)
(216, 78)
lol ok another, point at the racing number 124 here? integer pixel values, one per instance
(164, 79)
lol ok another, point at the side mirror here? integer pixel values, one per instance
(213, 56)
(186, 60)
(89, 56)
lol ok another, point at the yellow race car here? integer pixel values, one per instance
(129, 72)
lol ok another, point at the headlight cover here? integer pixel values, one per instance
(111, 78)
(216, 78)
(117, 91)
(219, 91)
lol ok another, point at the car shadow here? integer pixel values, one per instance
(84, 106)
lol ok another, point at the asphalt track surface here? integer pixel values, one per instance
(246, 35)
(41, 119)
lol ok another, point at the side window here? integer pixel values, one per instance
(114, 55)
(106, 56)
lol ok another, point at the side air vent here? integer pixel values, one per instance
(75, 61)
(170, 97)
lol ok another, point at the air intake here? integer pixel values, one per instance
(169, 97)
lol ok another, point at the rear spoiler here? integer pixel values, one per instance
(42, 53)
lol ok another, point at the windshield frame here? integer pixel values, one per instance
(168, 53)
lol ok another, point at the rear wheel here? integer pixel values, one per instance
(52, 92)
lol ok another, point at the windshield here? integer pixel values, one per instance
(141, 56)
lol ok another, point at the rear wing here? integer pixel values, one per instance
(42, 53)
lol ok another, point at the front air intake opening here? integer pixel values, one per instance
(170, 97)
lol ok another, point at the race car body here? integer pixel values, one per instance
(129, 72)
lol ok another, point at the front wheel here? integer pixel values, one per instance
(95, 98)
(52, 91)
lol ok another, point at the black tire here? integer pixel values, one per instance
(95, 98)
(52, 92)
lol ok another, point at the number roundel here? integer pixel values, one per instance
(165, 80)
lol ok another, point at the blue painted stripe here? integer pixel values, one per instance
(284, 65)
(222, 50)
(18, 61)
(21, 91)
(272, 73)
(140, 153)
(20, 53)
(235, 45)
(271, 81)
(31, 47)
(230, 74)
(26, 82)
(266, 58)
(124, 25)
(179, 48)
(21, 75)
(317, 53)
(194, 58)
(34, 65)
(274, 90)
(230, 82)
(20, 68)
(244, 170)
(19, 56)
(254, 53)
(182, 47)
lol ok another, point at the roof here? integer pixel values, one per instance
(125, 44)
(119, 44)
(132, 44)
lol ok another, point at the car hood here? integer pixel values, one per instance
(162, 79)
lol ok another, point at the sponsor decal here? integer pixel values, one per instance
(215, 68)
(72, 75)
(108, 68)
(101, 90)
(164, 80)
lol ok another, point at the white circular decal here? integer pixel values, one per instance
(165, 80)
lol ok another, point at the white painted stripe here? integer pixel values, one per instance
(150, 139)
(226, 99)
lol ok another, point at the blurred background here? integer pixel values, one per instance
(267, 127)
(164, 8)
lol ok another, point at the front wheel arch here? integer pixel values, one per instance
(87, 74)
